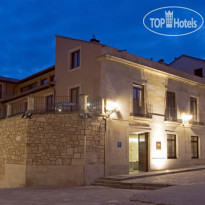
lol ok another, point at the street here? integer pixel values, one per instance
(188, 188)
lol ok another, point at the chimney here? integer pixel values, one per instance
(94, 40)
(161, 61)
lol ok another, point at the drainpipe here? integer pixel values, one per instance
(85, 150)
(105, 119)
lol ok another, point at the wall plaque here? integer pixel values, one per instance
(158, 145)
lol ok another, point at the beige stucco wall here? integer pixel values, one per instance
(87, 76)
(7, 89)
(117, 85)
(33, 80)
(188, 64)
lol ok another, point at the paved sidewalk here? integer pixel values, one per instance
(181, 178)
(155, 180)
(156, 173)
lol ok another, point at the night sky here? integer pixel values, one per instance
(28, 29)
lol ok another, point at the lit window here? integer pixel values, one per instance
(75, 59)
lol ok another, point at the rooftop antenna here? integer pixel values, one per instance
(94, 40)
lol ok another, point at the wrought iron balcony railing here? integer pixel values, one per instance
(144, 110)
(171, 114)
(54, 104)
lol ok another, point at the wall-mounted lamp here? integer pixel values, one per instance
(186, 118)
(26, 115)
(111, 107)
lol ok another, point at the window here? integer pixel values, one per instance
(171, 146)
(75, 59)
(198, 72)
(194, 147)
(171, 113)
(52, 78)
(28, 87)
(44, 81)
(138, 100)
(193, 108)
(49, 103)
(74, 97)
(1, 91)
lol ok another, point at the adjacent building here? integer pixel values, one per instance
(99, 111)
(192, 65)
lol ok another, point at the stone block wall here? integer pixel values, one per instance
(55, 149)
(13, 136)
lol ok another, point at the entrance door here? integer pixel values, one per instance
(143, 152)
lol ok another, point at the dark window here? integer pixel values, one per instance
(171, 113)
(75, 59)
(194, 147)
(138, 100)
(52, 78)
(29, 87)
(1, 91)
(44, 81)
(49, 103)
(74, 97)
(171, 146)
(198, 72)
(193, 108)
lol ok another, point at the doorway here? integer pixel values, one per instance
(138, 152)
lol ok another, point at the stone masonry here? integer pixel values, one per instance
(51, 149)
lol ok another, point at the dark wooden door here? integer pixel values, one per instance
(143, 152)
(74, 93)
(49, 103)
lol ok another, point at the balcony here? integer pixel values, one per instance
(171, 114)
(197, 123)
(51, 104)
(142, 111)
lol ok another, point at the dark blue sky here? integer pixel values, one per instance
(28, 28)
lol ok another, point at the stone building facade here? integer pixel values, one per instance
(106, 112)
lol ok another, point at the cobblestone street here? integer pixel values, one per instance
(189, 189)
